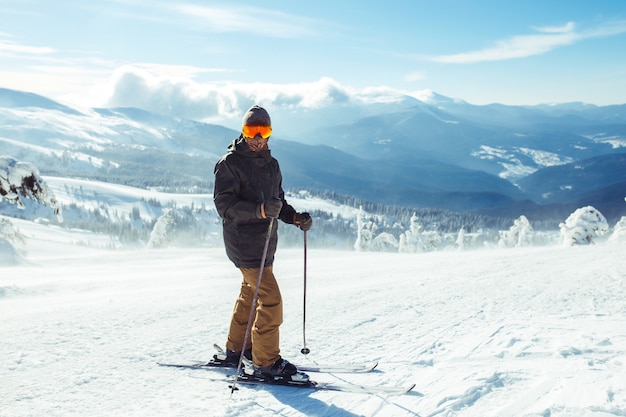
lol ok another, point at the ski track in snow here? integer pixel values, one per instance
(518, 332)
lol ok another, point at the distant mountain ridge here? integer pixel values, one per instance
(438, 153)
(502, 140)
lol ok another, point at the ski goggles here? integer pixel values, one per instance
(252, 131)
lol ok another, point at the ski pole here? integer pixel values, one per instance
(305, 350)
(233, 387)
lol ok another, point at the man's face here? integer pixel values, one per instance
(256, 136)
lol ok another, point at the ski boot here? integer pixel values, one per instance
(231, 358)
(279, 371)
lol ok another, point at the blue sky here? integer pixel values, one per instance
(213, 53)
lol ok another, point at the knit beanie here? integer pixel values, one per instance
(256, 116)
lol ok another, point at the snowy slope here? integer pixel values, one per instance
(517, 332)
(123, 198)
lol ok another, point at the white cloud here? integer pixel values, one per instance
(182, 72)
(568, 27)
(216, 18)
(515, 47)
(523, 46)
(253, 20)
(415, 76)
(134, 86)
(46, 71)
(13, 48)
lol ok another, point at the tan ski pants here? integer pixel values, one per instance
(264, 338)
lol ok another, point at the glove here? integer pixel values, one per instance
(303, 221)
(270, 208)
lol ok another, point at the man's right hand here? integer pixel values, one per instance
(271, 208)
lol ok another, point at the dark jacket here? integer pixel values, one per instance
(243, 180)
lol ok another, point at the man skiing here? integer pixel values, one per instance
(248, 196)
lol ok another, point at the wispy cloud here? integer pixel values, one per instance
(547, 39)
(254, 20)
(218, 17)
(178, 71)
(568, 27)
(48, 70)
(8, 47)
(415, 76)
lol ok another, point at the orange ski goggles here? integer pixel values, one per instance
(252, 131)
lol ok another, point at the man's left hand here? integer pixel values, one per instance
(303, 221)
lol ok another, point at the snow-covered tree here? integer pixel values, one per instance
(365, 232)
(519, 235)
(460, 239)
(8, 253)
(12, 243)
(385, 242)
(431, 241)
(582, 226)
(177, 226)
(160, 236)
(20, 184)
(410, 241)
(619, 232)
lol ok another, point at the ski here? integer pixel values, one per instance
(245, 379)
(217, 362)
(300, 380)
(331, 369)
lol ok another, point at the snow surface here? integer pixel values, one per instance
(498, 332)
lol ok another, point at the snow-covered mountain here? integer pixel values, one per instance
(510, 142)
(436, 152)
(127, 146)
(599, 181)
